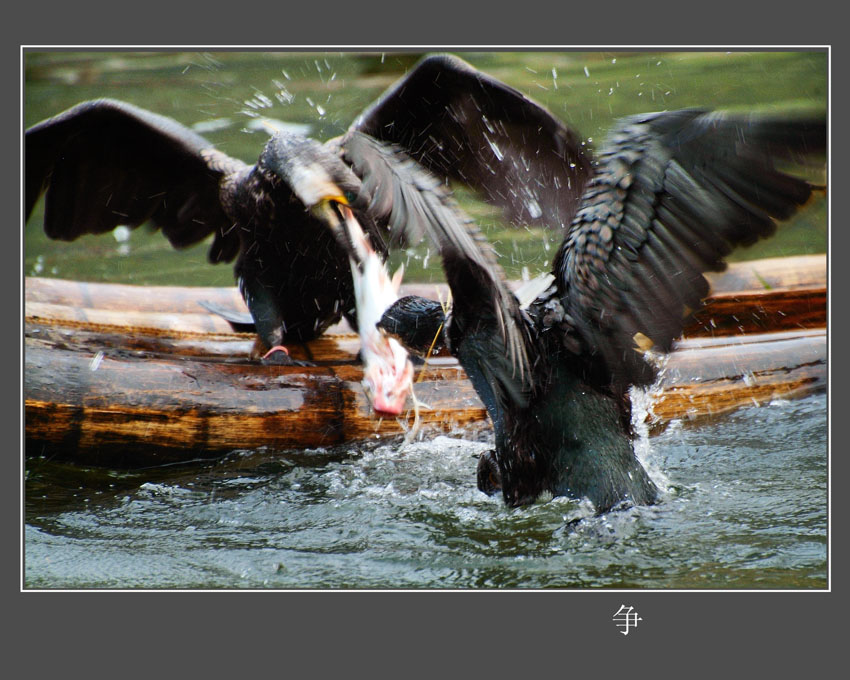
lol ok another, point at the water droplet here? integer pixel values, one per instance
(96, 361)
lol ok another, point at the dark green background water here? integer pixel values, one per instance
(745, 501)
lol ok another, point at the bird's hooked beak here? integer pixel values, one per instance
(387, 370)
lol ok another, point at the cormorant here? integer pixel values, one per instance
(106, 163)
(671, 194)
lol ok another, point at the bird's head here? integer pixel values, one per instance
(417, 323)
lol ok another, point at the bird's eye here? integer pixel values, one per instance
(350, 196)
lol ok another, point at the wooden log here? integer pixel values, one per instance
(800, 271)
(750, 297)
(707, 377)
(129, 320)
(759, 311)
(127, 411)
(127, 407)
(723, 314)
(805, 271)
(122, 296)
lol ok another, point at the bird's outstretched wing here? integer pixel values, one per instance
(672, 195)
(414, 202)
(467, 126)
(396, 191)
(106, 163)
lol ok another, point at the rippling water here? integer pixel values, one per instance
(745, 506)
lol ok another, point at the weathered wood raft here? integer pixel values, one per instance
(129, 376)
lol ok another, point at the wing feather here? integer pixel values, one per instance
(674, 193)
(464, 125)
(106, 163)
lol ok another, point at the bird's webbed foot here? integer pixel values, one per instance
(489, 477)
(278, 355)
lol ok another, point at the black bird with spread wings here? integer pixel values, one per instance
(671, 194)
(107, 163)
